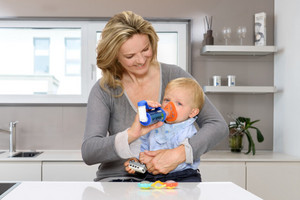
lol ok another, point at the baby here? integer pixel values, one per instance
(188, 99)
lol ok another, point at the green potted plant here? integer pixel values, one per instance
(240, 127)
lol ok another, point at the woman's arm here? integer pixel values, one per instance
(212, 130)
(212, 126)
(96, 146)
(163, 161)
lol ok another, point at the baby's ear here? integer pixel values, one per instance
(194, 112)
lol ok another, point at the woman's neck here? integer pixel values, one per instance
(140, 80)
(143, 88)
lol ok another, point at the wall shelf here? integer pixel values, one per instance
(237, 50)
(240, 89)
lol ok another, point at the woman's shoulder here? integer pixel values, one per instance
(170, 67)
(173, 71)
(105, 88)
(170, 72)
(97, 88)
(107, 93)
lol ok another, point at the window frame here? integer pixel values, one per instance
(89, 28)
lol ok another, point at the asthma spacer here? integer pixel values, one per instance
(149, 115)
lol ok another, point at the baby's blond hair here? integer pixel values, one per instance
(190, 84)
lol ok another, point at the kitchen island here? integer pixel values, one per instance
(124, 191)
(264, 174)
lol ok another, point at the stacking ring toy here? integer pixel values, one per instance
(144, 185)
(158, 184)
(171, 184)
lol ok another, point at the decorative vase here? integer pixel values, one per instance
(235, 140)
(209, 39)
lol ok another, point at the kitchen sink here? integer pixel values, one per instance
(26, 154)
(6, 187)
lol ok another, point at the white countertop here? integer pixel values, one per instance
(47, 155)
(120, 191)
(212, 156)
(260, 156)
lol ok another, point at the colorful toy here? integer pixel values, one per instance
(145, 185)
(149, 115)
(171, 184)
(158, 184)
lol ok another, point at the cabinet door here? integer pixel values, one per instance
(223, 171)
(68, 171)
(274, 180)
(20, 171)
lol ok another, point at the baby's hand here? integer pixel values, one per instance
(153, 104)
(127, 168)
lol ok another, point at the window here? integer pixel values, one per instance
(72, 56)
(55, 61)
(41, 55)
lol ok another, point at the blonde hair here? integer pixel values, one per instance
(193, 86)
(118, 30)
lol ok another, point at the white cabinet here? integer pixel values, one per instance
(20, 171)
(268, 180)
(224, 171)
(68, 171)
(269, 175)
(274, 180)
(47, 171)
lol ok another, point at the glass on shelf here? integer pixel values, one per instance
(226, 31)
(241, 32)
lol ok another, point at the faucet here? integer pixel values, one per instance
(12, 136)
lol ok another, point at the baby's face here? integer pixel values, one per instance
(182, 99)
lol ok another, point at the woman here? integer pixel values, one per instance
(127, 56)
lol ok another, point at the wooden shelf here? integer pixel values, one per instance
(237, 50)
(240, 89)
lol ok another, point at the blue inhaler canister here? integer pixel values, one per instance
(149, 115)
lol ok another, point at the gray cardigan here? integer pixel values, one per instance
(108, 118)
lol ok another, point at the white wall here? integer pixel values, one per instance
(287, 77)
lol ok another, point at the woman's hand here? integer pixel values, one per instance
(127, 168)
(163, 161)
(137, 129)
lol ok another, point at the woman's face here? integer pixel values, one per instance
(135, 54)
(181, 97)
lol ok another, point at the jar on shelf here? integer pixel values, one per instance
(209, 39)
(235, 138)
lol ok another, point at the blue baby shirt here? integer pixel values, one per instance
(170, 136)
